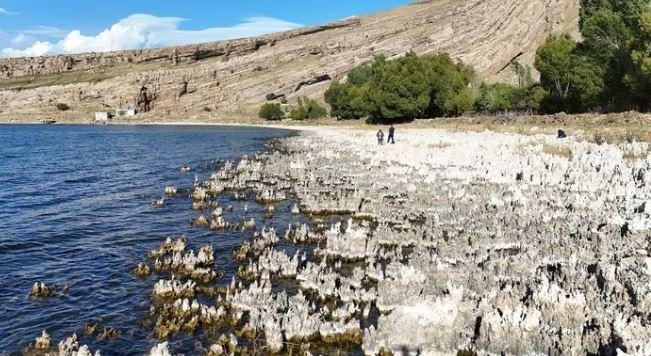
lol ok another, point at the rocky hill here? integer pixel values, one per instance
(229, 79)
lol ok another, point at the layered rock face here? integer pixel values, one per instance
(233, 77)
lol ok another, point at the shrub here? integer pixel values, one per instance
(271, 111)
(494, 98)
(533, 98)
(62, 107)
(360, 75)
(298, 113)
(315, 110)
(308, 109)
(500, 97)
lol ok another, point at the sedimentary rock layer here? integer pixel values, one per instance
(233, 77)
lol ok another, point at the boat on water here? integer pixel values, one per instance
(48, 121)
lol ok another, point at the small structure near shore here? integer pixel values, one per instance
(125, 112)
(105, 117)
(102, 117)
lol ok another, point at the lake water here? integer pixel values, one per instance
(75, 208)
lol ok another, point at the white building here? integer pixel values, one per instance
(125, 112)
(102, 116)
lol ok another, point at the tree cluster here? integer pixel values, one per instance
(403, 89)
(415, 87)
(610, 69)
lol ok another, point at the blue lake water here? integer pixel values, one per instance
(75, 208)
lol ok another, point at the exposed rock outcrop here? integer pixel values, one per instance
(236, 76)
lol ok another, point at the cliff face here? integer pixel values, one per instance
(231, 78)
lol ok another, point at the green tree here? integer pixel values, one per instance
(574, 81)
(494, 98)
(605, 32)
(639, 77)
(525, 78)
(554, 62)
(612, 31)
(347, 101)
(362, 74)
(414, 87)
(629, 10)
(398, 90)
(461, 102)
(270, 111)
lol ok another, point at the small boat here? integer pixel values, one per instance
(185, 169)
(48, 121)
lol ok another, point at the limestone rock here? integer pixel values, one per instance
(235, 76)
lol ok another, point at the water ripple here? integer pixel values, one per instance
(75, 209)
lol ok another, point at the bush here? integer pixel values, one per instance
(298, 113)
(315, 110)
(271, 111)
(308, 109)
(533, 98)
(500, 97)
(62, 107)
(496, 98)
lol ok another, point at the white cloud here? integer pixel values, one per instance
(22, 39)
(30, 38)
(47, 31)
(147, 31)
(4, 11)
(37, 49)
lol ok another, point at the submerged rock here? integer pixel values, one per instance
(160, 350)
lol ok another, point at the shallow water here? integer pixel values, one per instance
(75, 208)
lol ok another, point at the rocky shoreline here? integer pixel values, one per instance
(480, 241)
(441, 243)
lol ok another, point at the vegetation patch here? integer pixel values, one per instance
(270, 111)
(609, 70)
(631, 155)
(555, 150)
(308, 109)
(404, 89)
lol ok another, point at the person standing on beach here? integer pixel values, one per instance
(392, 131)
(380, 137)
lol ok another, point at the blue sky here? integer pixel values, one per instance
(31, 27)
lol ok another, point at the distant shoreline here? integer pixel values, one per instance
(611, 128)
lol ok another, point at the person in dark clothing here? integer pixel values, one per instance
(380, 138)
(392, 131)
(561, 133)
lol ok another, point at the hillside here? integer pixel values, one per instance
(229, 79)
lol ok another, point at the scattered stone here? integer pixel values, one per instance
(142, 270)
